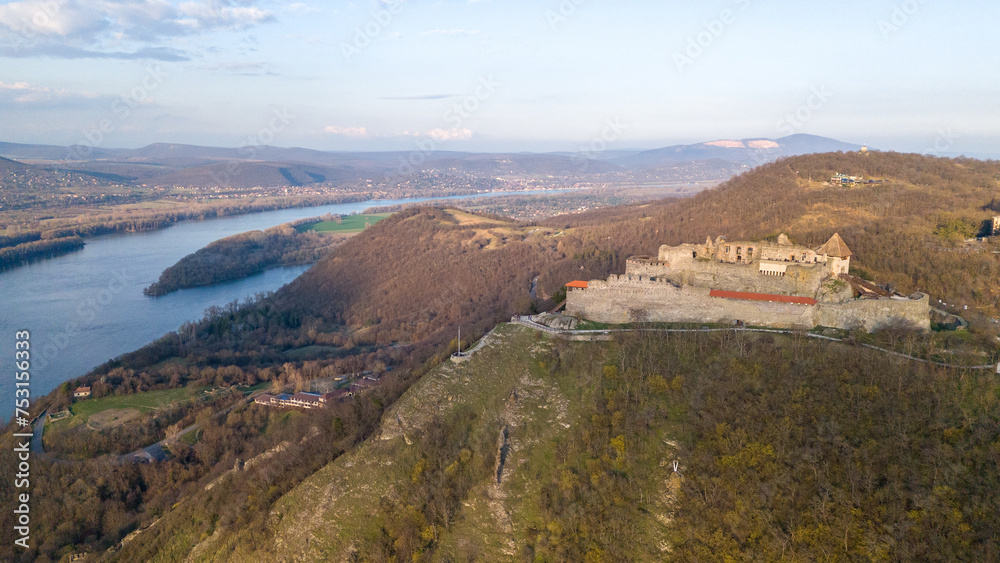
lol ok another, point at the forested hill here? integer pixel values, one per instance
(907, 229)
(390, 299)
(416, 276)
(423, 270)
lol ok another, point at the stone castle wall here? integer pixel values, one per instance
(873, 314)
(620, 300)
(799, 279)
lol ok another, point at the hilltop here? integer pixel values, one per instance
(908, 231)
(389, 300)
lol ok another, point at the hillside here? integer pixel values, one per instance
(389, 300)
(908, 231)
(416, 276)
(545, 450)
(467, 453)
(250, 174)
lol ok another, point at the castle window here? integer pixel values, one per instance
(694, 255)
(728, 248)
(750, 252)
(739, 251)
(803, 257)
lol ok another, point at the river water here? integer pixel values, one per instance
(87, 307)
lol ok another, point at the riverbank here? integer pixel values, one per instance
(88, 307)
(59, 236)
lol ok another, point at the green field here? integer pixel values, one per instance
(143, 402)
(347, 224)
(250, 390)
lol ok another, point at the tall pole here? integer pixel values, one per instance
(459, 340)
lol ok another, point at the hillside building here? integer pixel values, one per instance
(301, 400)
(778, 284)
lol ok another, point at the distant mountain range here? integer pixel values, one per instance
(191, 165)
(743, 151)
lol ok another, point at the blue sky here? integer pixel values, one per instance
(482, 75)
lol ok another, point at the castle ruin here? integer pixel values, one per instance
(777, 284)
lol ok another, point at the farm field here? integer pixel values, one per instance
(347, 224)
(141, 402)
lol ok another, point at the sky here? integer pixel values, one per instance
(500, 75)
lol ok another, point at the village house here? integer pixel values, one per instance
(81, 392)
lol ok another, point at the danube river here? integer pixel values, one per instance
(87, 307)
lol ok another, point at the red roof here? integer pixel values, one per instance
(763, 297)
(578, 284)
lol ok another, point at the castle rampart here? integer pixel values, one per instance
(803, 290)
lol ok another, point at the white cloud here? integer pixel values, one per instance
(450, 134)
(24, 94)
(99, 28)
(32, 18)
(355, 132)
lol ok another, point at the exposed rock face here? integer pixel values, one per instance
(557, 321)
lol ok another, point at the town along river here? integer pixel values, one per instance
(85, 308)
